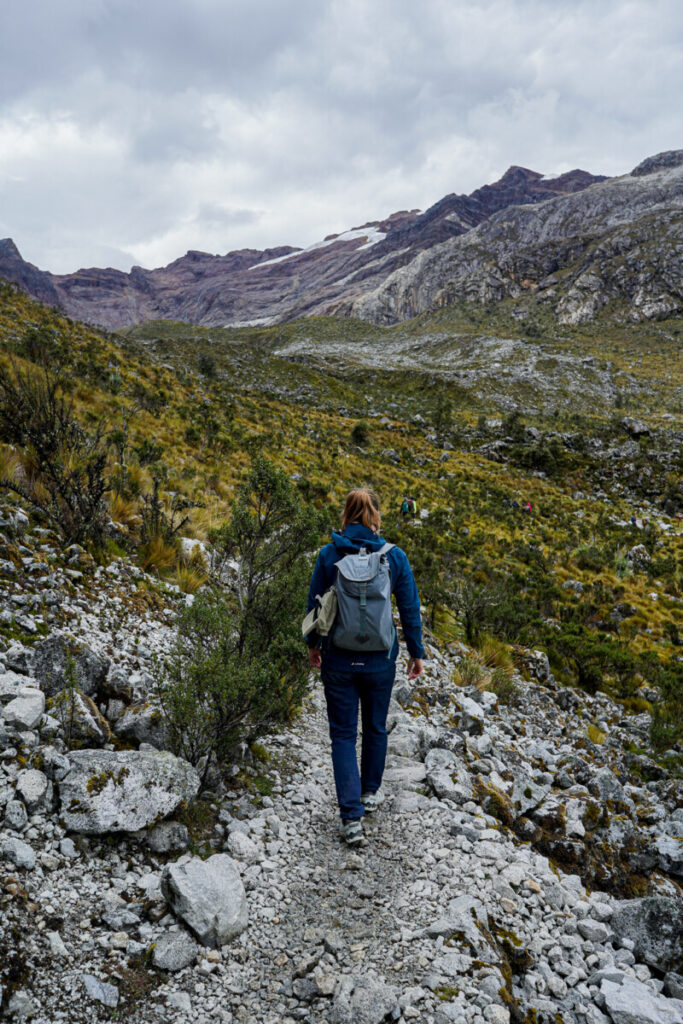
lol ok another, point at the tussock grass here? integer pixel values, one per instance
(469, 673)
(124, 510)
(157, 555)
(495, 655)
(596, 735)
(189, 578)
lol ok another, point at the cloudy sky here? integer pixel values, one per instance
(134, 130)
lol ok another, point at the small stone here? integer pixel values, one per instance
(242, 847)
(179, 1001)
(33, 787)
(595, 931)
(21, 1006)
(16, 817)
(174, 951)
(19, 853)
(57, 947)
(100, 991)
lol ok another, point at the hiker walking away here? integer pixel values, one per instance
(408, 508)
(357, 657)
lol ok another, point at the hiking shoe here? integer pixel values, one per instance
(371, 801)
(352, 830)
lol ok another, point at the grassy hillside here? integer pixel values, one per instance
(435, 407)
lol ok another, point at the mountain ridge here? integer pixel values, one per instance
(281, 283)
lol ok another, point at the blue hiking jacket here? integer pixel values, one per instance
(403, 588)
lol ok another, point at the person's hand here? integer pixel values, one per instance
(415, 668)
(314, 658)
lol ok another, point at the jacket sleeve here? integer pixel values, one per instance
(318, 586)
(408, 602)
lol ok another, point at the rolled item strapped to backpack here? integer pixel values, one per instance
(321, 618)
(364, 618)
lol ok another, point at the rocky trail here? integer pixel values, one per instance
(518, 871)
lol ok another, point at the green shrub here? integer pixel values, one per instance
(61, 466)
(238, 666)
(587, 556)
(360, 433)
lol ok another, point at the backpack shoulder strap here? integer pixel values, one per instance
(386, 548)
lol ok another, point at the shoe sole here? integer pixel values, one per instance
(371, 808)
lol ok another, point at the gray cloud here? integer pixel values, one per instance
(143, 130)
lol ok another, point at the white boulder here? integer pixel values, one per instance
(123, 791)
(208, 895)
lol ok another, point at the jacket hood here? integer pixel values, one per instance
(355, 537)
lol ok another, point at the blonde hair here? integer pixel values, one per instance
(362, 506)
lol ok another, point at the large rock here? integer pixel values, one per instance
(632, 1002)
(406, 739)
(461, 917)
(26, 710)
(472, 716)
(364, 1000)
(60, 662)
(209, 897)
(635, 428)
(639, 558)
(655, 926)
(123, 791)
(168, 836)
(144, 723)
(447, 776)
(670, 850)
(449, 739)
(11, 684)
(100, 991)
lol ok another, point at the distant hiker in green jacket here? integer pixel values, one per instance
(408, 508)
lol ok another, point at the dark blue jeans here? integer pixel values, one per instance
(344, 690)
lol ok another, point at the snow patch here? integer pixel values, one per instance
(264, 321)
(373, 236)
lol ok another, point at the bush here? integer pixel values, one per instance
(360, 433)
(666, 728)
(206, 364)
(60, 470)
(238, 666)
(587, 556)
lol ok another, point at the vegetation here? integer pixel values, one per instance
(237, 667)
(54, 464)
(157, 427)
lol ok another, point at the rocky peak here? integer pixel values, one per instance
(660, 162)
(8, 249)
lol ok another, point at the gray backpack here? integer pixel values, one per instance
(364, 621)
